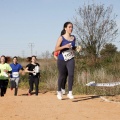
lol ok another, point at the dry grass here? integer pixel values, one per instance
(107, 73)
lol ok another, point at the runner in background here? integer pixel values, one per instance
(5, 71)
(66, 45)
(15, 77)
(33, 68)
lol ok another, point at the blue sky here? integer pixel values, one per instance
(39, 22)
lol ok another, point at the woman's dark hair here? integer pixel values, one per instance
(30, 58)
(53, 53)
(65, 25)
(34, 57)
(15, 57)
(7, 58)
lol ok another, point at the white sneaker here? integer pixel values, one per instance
(63, 91)
(59, 95)
(70, 95)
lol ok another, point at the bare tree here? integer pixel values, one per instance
(95, 26)
(46, 55)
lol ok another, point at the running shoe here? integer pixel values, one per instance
(59, 95)
(70, 95)
(63, 91)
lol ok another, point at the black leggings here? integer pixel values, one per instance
(3, 86)
(65, 67)
(33, 80)
(64, 81)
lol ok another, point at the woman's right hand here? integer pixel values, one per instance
(5, 71)
(68, 45)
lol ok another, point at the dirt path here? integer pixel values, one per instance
(47, 107)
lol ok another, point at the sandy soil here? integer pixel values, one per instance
(47, 107)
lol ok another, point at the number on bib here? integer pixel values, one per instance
(68, 54)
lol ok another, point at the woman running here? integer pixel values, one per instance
(33, 69)
(5, 71)
(66, 45)
(15, 77)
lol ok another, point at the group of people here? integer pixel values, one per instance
(63, 53)
(12, 72)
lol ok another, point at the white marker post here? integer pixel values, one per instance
(111, 84)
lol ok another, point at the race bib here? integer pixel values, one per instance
(15, 74)
(68, 54)
(37, 69)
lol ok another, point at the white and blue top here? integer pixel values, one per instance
(15, 70)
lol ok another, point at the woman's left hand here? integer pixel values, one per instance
(78, 48)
